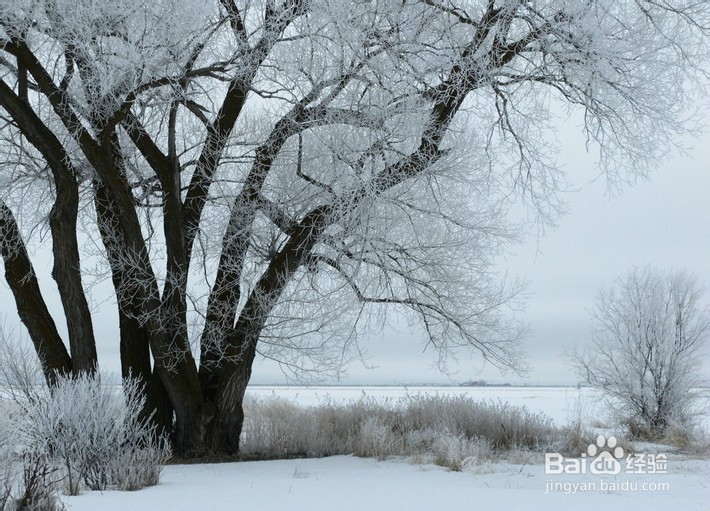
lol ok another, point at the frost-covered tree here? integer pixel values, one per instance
(268, 176)
(649, 333)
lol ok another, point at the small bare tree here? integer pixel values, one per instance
(650, 329)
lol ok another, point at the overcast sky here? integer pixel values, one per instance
(664, 222)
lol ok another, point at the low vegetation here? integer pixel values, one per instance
(80, 435)
(455, 432)
(85, 435)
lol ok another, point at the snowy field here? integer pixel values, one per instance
(516, 481)
(346, 483)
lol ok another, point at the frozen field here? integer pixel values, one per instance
(518, 481)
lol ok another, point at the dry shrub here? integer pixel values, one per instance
(455, 432)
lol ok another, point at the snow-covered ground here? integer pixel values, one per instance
(518, 481)
(349, 483)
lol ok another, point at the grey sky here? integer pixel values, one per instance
(664, 222)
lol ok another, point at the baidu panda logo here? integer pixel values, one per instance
(604, 457)
(601, 457)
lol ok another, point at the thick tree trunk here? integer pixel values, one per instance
(134, 343)
(159, 406)
(190, 417)
(172, 384)
(31, 307)
(135, 363)
(241, 343)
(67, 274)
(63, 219)
(226, 427)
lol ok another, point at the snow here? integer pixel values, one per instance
(350, 483)
(517, 480)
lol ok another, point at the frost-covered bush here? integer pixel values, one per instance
(38, 484)
(376, 439)
(94, 432)
(503, 425)
(9, 462)
(81, 431)
(137, 467)
(459, 453)
(455, 432)
(28, 479)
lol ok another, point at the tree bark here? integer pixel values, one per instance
(62, 220)
(31, 307)
(67, 274)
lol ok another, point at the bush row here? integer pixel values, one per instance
(451, 431)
